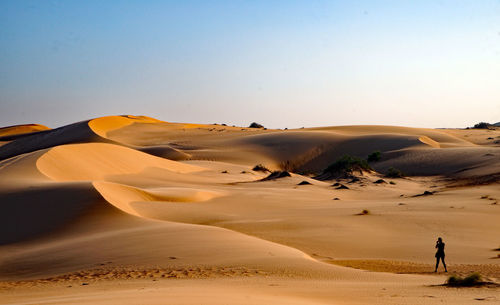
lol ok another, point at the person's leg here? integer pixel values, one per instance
(437, 264)
(444, 264)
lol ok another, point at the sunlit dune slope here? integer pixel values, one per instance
(128, 198)
(103, 125)
(96, 161)
(12, 131)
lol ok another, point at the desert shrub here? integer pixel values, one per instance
(342, 187)
(255, 125)
(472, 279)
(374, 156)
(260, 168)
(364, 212)
(304, 183)
(276, 175)
(346, 165)
(394, 173)
(482, 125)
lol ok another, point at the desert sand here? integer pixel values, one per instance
(134, 210)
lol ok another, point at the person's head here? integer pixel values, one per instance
(440, 239)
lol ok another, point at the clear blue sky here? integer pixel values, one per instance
(280, 63)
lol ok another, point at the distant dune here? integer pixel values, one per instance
(120, 202)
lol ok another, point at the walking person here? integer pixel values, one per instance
(440, 254)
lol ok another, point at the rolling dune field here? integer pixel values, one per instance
(134, 210)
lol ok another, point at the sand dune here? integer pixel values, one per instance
(74, 133)
(102, 126)
(129, 198)
(95, 161)
(123, 202)
(11, 132)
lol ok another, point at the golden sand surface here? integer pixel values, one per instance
(134, 210)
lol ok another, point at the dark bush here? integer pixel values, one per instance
(255, 125)
(374, 156)
(474, 279)
(276, 175)
(394, 173)
(346, 165)
(260, 168)
(364, 212)
(304, 183)
(482, 125)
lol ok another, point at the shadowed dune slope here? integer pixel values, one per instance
(74, 133)
(38, 210)
(444, 138)
(455, 162)
(82, 132)
(313, 151)
(21, 170)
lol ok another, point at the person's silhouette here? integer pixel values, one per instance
(440, 254)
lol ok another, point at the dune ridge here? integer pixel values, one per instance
(10, 132)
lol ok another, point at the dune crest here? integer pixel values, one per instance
(429, 141)
(96, 161)
(103, 125)
(21, 129)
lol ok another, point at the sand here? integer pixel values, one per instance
(133, 210)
